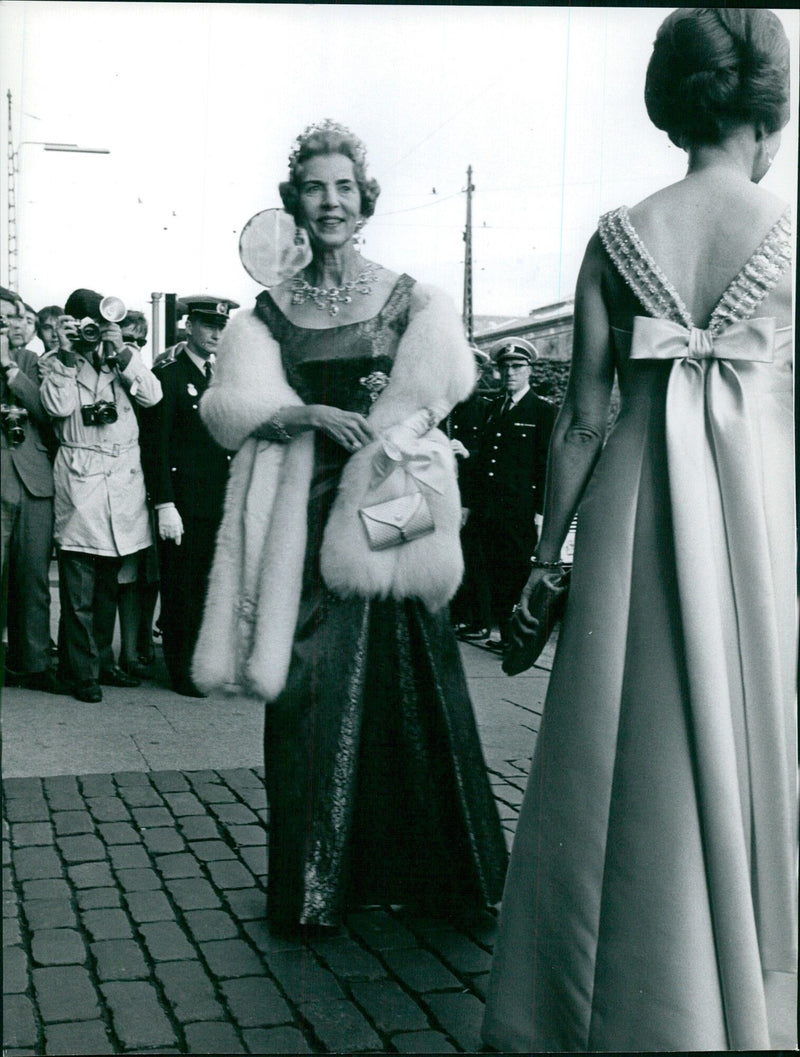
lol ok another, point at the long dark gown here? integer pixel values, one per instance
(376, 781)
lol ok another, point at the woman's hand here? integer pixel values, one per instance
(536, 576)
(348, 428)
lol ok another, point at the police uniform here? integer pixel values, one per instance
(186, 467)
(506, 486)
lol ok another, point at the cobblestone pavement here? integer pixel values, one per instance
(133, 921)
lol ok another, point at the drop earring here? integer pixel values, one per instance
(356, 239)
(300, 236)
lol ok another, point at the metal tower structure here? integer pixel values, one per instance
(11, 206)
(467, 312)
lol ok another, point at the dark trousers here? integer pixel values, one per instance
(473, 601)
(184, 579)
(27, 543)
(88, 591)
(507, 548)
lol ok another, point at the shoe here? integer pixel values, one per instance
(135, 670)
(46, 682)
(116, 677)
(187, 689)
(472, 631)
(88, 691)
(495, 644)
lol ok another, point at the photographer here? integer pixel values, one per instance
(100, 508)
(26, 491)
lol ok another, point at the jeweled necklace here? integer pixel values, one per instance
(328, 299)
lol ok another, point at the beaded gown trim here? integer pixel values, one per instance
(741, 298)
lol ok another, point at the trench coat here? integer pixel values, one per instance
(100, 501)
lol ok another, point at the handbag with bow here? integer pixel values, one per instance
(527, 638)
(397, 521)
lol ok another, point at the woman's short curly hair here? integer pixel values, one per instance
(714, 68)
(328, 138)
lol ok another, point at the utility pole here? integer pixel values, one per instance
(11, 207)
(467, 313)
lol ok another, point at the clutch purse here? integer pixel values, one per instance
(527, 639)
(397, 521)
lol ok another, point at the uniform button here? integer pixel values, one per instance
(491, 474)
(497, 434)
(194, 406)
(174, 469)
(493, 460)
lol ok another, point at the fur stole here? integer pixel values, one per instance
(253, 594)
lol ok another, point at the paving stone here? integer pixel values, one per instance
(228, 958)
(211, 850)
(91, 875)
(255, 798)
(58, 947)
(15, 970)
(255, 1002)
(193, 893)
(85, 848)
(458, 950)
(60, 783)
(118, 833)
(481, 984)
(275, 1040)
(12, 934)
(461, 1016)
(163, 840)
(19, 1024)
(227, 874)
(33, 864)
(201, 777)
(420, 970)
(15, 788)
(108, 809)
(66, 802)
(107, 924)
(68, 823)
(166, 941)
(141, 796)
(247, 904)
(128, 857)
(255, 859)
(27, 810)
(53, 888)
(242, 777)
(266, 942)
(422, 1042)
(180, 865)
(189, 991)
(169, 781)
(65, 993)
(210, 925)
(213, 793)
(483, 929)
(198, 827)
(139, 880)
(388, 1006)
(184, 804)
(247, 836)
(48, 914)
(25, 834)
(149, 906)
(380, 930)
(138, 1018)
(89, 1036)
(348, 960)
(236, 814)
(341, 1027)
(97, 898)
(208, 1037)
(119, 960)
(97, 785)
(302, 977)
(152, 817)
(132, 779)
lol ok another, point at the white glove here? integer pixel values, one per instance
(170, 526)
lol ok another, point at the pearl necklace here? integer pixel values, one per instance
(329, 299)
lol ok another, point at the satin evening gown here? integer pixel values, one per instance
(376, 782)
(651, 897)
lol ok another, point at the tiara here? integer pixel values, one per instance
(328, 125)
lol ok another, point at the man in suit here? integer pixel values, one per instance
(187, 473)
(26, 492)
(506, 486)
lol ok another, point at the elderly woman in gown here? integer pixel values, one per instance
(376, 783)
(651, 897)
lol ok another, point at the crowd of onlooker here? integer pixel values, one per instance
(107, 464)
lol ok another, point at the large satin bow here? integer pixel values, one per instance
(716, 492)
(408, 446)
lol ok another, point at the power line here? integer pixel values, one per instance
(425, 205)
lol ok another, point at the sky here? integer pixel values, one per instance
(199, 105)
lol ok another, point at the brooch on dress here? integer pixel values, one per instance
(374, 383)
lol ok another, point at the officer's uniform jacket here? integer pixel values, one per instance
(506, 482)
(183, 464)
(100, 504)
(30, 460)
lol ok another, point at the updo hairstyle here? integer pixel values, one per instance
(328, 138)
(715, 68)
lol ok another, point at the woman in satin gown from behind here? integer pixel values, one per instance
(651, 897)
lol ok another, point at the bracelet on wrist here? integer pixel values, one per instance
(537, 563)
(277, 430)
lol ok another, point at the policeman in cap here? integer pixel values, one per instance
(506, 485)
(187, 473)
